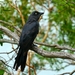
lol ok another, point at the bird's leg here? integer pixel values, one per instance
(34, 44)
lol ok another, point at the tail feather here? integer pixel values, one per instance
(20, 60)
(23, 61)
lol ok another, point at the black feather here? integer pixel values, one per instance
(29, 32)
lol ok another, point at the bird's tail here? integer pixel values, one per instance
(20, 60)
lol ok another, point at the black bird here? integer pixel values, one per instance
(29, 32)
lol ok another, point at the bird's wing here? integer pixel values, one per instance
(28, 35)
(26, 39)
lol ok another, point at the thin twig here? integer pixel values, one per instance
(72, 72)
(1, 21)
(6, 52)
(32, 68)
(19, 11)
(57, 46)
(46, 34)
(65, 73)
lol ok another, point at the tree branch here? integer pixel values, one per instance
(8, 41)
(56, 46)
(4, 22)
(48, 54)
(63, 55)
(6, 52)
(48, 45)
(65, 73)
(46, 34)
(9, 33)
(19, 11)
(70, 73)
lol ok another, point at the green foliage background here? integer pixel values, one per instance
(61, 20)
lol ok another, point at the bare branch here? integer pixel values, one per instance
(9, 33)
(46, 34)
(8, 41)
(65, 73)
(3, 68)
(56, 46)
(63, 55)
(33, 4)
(70, 73)
(1, 21)
(19, 11)
(5, 63)
(48, 54)
(48, 45)
(6, 52)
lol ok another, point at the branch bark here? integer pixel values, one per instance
(56, 46)
(8, 41)
(63, 55)
(9, 33)
(48, 54)
(39, 43)
(70, 73)
(19, 11)
(4, 22)
(46, 34)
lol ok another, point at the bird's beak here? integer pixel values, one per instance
(41, 13)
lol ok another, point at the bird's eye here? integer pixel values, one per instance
(36, 13)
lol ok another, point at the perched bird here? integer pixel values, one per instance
(29, 32)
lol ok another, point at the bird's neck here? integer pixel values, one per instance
(32, 19)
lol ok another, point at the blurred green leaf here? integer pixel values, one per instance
(62, 24)
(1, 72)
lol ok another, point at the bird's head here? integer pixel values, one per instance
(36, 15)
